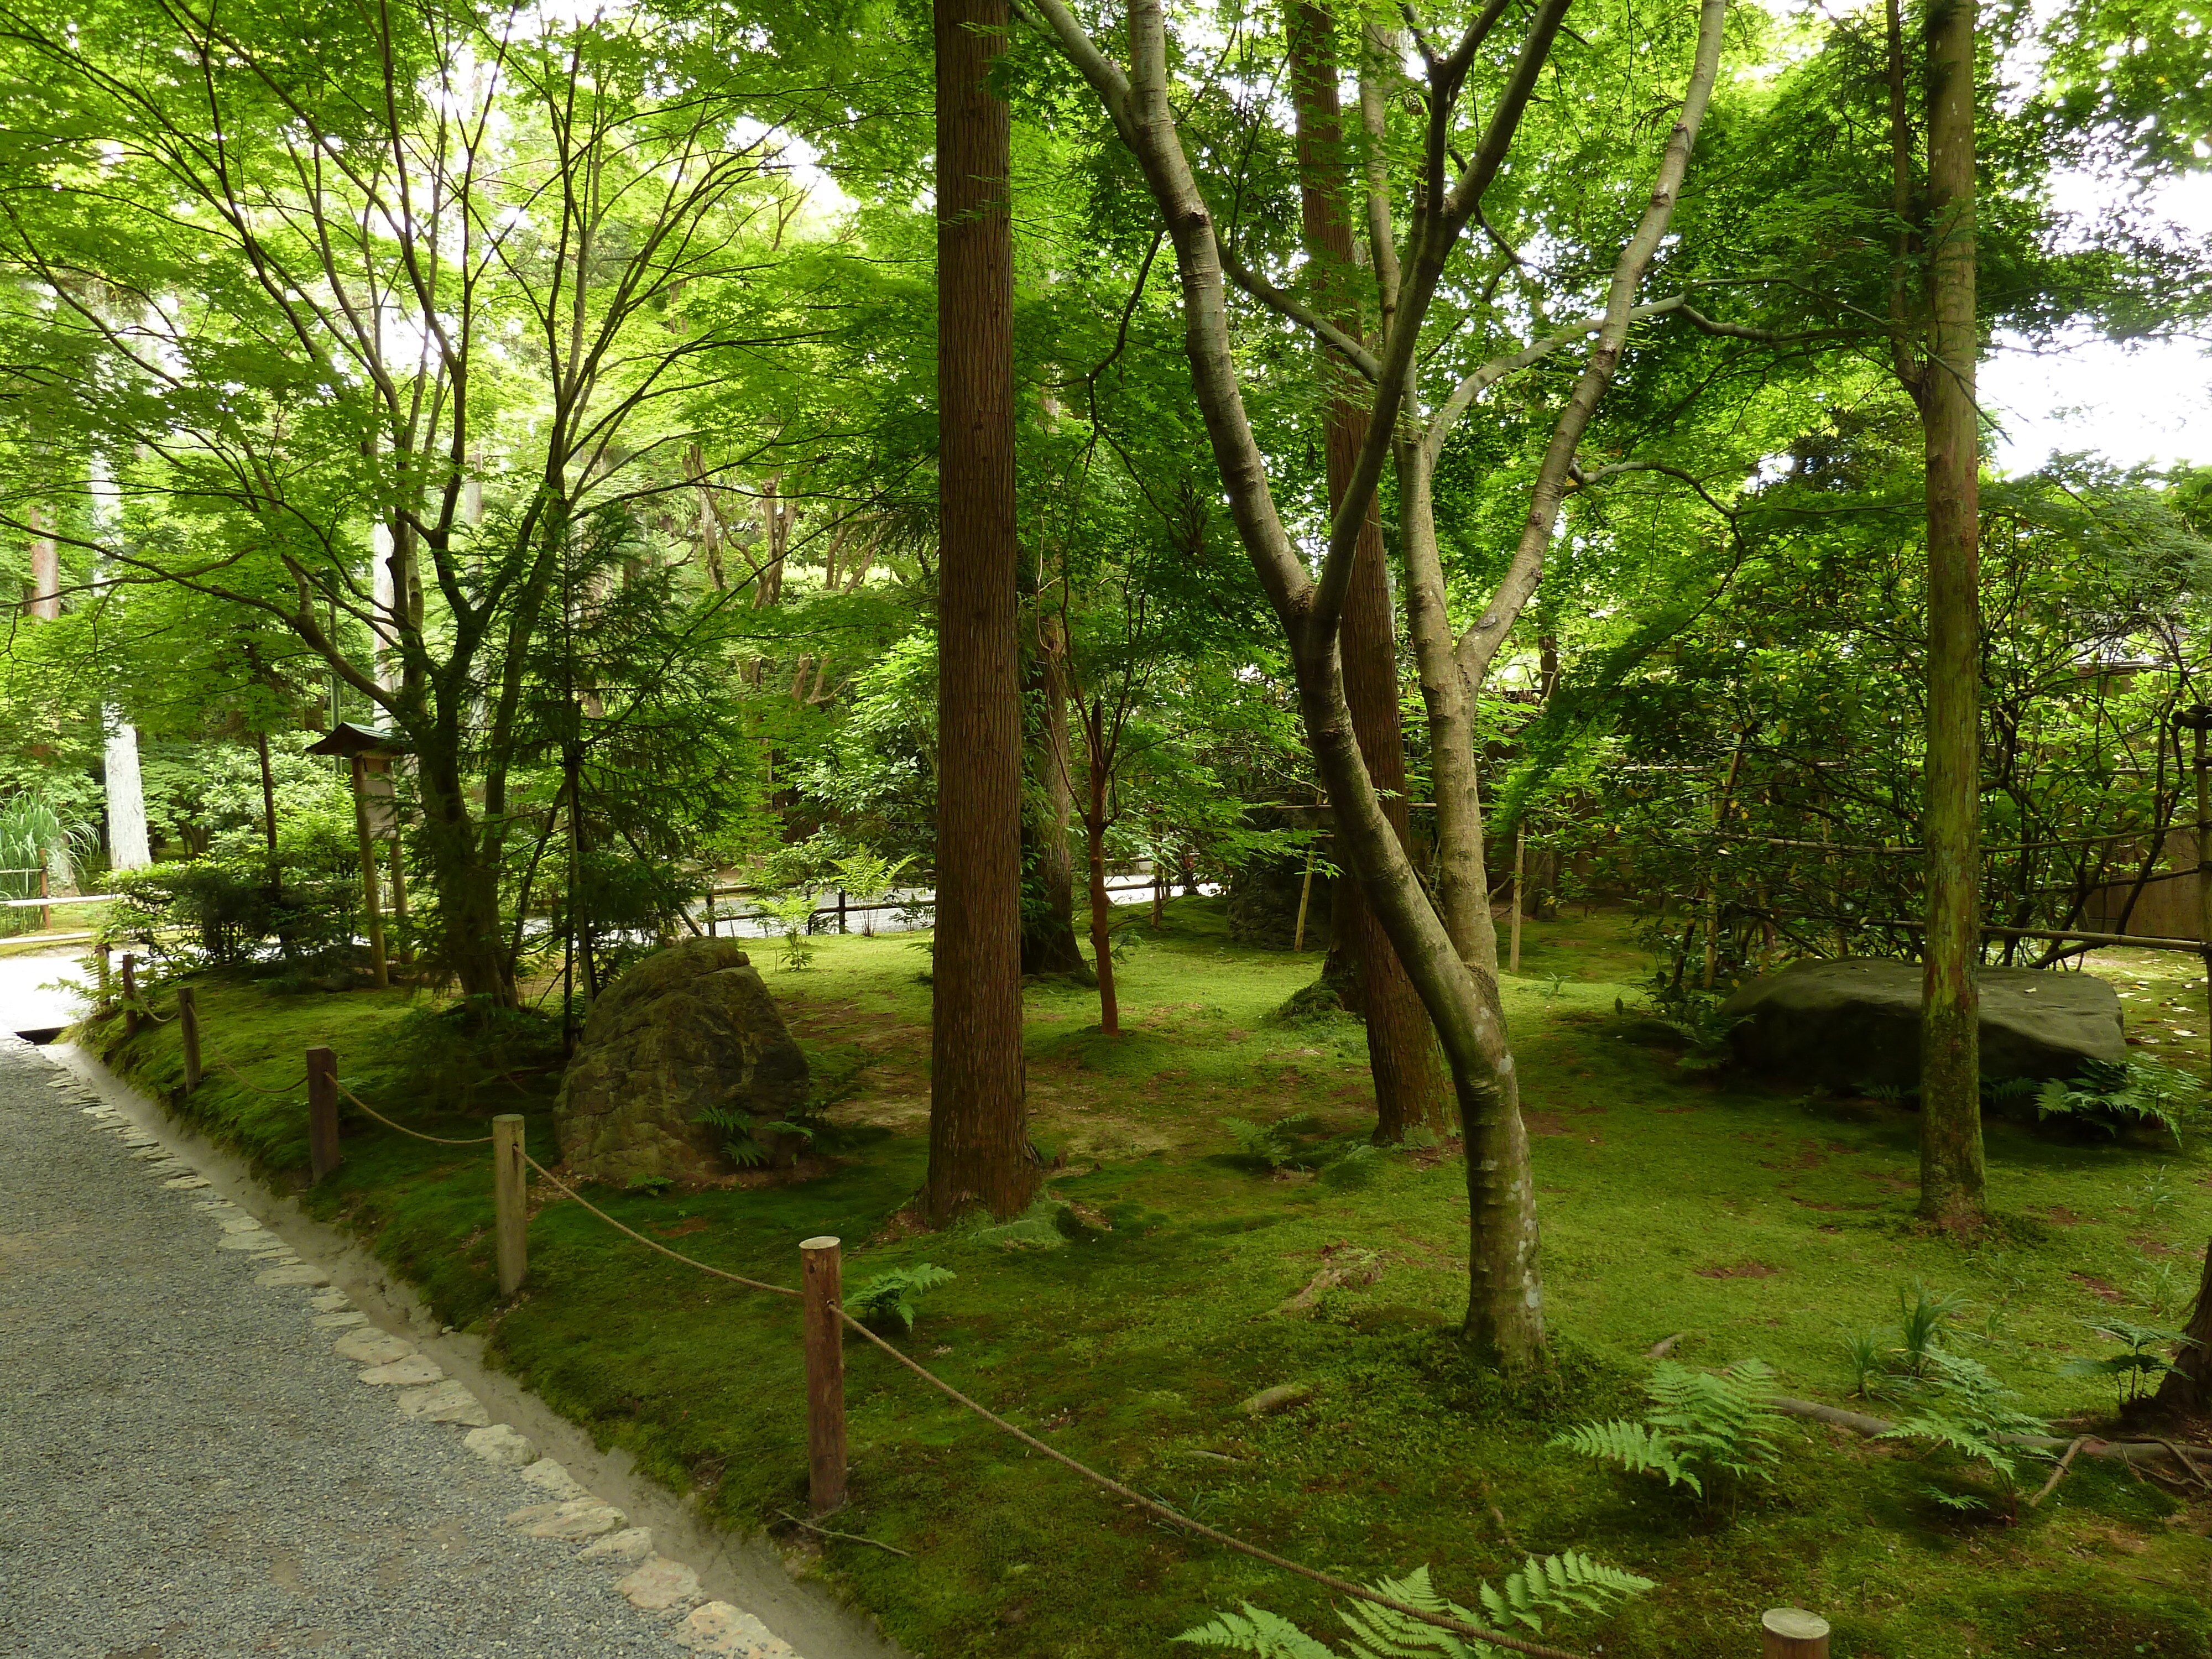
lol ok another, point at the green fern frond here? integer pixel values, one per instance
(1257, 1630)
(1636, 1446)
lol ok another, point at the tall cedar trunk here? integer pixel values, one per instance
(1410, 1085)
(2188, 1388)
(1094, 836)
(979, 1150)
(1049, 944)
(1951, 1180)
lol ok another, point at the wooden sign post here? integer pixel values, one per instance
(822, 1289)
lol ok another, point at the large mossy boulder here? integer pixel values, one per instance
(1855, 1022)
(689, 1032)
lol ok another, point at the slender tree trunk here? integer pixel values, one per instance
(1049, 944)
(1102, 901)
(1951, 1175)
(268, 807)
(1410, 1085)
(44, 601)
(979, 1150)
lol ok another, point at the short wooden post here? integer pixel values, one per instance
(510, 1198)
(322, 1112)
(188, 1022)
(821, 1279)
(1793, 1633)
(46, 890)
(841, 910)
(100, 950)
(129, 994)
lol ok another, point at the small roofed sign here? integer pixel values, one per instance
(371, 751)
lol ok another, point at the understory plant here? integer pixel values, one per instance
(2136, 1369)
(885, 1304)
(1276, 1144)
(1960, 1410)
(2111, 1094)
(1708, 1430)
(1567, 1584)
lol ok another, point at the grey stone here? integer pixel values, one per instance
(721, 1630)
(186, 1183)
(237, 1224)
(657, 1583)
(338, 1322)
(299, 1274)
(576, 1520)
(501, 1443)
(690, 1029)
(445, 1402)
(1855, 1022)
(371, 1348)
(330, 1301)
(257, 1239)
(555, 1481)
(625, 1548)
(412, 1372)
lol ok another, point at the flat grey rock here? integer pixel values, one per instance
(186, 1183)
(555, 1481)
(657, 1583)
(578, 1519)
(298, 1275)
(411, 1372)
(330, 1301)
(727, 1632)
(625, 1548)
(337, 1321)
(239, 1223)
(259, 1239)
(371, 1348)
(1855, 1022)
(501, 1443)
(445, 1402)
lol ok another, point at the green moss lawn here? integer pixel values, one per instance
(1737, 1218)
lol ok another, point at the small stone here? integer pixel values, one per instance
(237, 1224)
(576, 1520)
(337, 1321)
(331, 1301)
(411, 1372)
(152, 1151)
(1277, 1398)
(499, 1442)
(301, 1274)
(720, 1629)
(371, 1348)
(445, 1402)
(555, 1482)
(658, 1583)
(256, 1240)
(134, 1137)
(625, 1548)
(186, 1183)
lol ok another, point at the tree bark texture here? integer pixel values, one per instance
(2188, 1388)
(44, 601)
(979, 1150)
(1951, 1173)
(1410, 1085)
(1094, 836)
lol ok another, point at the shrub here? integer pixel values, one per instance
(1704, 1426)
(300, 921)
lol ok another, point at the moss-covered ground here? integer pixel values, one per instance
(1737, 1218)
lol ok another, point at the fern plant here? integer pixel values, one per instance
(1964, 1411)
(1705, 1426)
(1275, 1145)
(1566, 1584)
(2112, 1095)
(885, 1304)
(2136, 1372)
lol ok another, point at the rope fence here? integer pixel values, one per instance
(826, 1321)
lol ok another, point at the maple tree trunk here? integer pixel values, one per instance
(1411, 1086)
(1049, 944)
(2187, 1388)
(979, 1150)
(1951, 1170)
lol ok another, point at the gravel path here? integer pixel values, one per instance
(188, 1468)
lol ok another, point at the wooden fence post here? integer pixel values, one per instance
(510, 1197)
(841, 910)
(1793, 1633)
(101, 950)
(322, 1112)
(822, 1289)
(129, 994)
(188, 1022)
(46, 890)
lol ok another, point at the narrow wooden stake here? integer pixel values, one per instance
(188, 1022)
(46, 890)
(841, 910)
(510, 1193)
(129, 994)
(1793, 1633)
(101, 950)
(322, 1112)
(1519, 864)
(822, 1288)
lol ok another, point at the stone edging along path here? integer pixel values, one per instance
(669, 1571)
